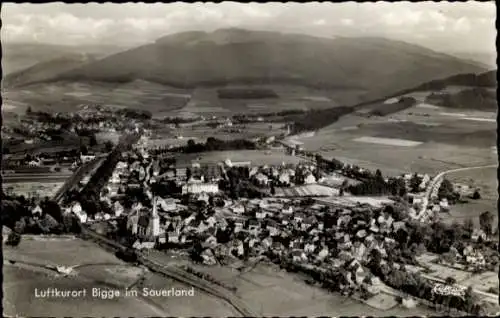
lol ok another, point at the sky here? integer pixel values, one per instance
(442, 26)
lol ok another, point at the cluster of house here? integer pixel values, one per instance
(257, 226)
(284, 175)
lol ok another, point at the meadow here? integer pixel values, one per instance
(163, 100)
(258, 157)
(446, 141)
(273, 292)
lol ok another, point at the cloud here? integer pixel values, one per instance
(319, 22)
(462, 25)
(347, 22)
(439, 25)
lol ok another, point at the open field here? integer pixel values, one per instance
(164, 100)
(237, 131)
(259, 157)
(276, 293)
(102, 270)
(28, 189)
(483, 282)
(388, 141)
(447, 142)
(486, 181)
(352, 201)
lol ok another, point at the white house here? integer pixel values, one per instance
(262, 179)
(273, 228)
(284, 178)
(238, 225)
(132, 222)
(323, 253)
(253, 226)
(309, 248)
(476, 234)
(78, 211)
(260, 214)
(167, 205)
(118, 208)
(88, 158)
(299, 256)
(299, 217)
(309, 179)
(287, 209)
(444, 205)
(37, 210)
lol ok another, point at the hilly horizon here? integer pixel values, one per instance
(18, 56)
(46, 69)
(372, 66)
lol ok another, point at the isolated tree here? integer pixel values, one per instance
(28, 110)
(53, 209)
(415, 182)
(468, 226)
(476, 195)
(450, 280)
(378, 175)
(486, 222)
(92, 140)
(446, 189)
(84, 149)
(13, 239)
(108, 146)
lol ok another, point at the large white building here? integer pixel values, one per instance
(200, 188)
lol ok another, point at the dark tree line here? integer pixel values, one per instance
(317, 119)
(135, 114)
(245, 93)
(213, 144)
(387, 109)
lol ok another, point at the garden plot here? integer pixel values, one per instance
(453, 114)
(388, 141)
(490, 120)
(311, 190)
(427, 106)
(483, 282)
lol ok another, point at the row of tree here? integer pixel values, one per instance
(213, 144)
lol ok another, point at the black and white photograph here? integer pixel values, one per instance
(249, 159)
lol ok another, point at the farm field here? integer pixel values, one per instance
(307, 190)
(447, 141)
(102, 269)
(164, 100)
(486, 181)
(260, 157)
(272, 292)
(201, 132)
(41, 189)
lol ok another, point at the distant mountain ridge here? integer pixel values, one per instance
(374, 66)
(17, 56)
(45, 70)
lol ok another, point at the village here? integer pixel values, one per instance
(342, 224)
(216, 213)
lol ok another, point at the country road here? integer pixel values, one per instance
(436, 183)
